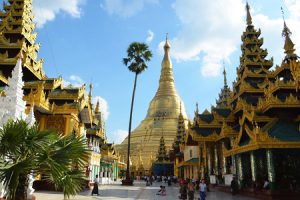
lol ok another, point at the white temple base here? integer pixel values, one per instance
(228, 178)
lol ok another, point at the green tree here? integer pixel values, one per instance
(137, 56)
(24, 149)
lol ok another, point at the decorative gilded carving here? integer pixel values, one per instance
(295, 70)
(56, 122)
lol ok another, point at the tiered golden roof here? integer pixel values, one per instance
(261, 112)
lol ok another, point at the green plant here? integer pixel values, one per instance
(24, 149)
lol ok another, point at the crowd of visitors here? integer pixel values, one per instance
(191, 189)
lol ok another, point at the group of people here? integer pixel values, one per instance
(188, 188)
(167, 179)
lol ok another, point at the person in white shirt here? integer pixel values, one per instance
(202, 190)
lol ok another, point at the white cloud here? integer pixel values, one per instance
(207, 32)
(211, 30)
(150, 37)
(103, 106)
(125, 8)
(73, 80)
(118, 136)
(46, 10)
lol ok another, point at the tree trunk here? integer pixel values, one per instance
(129, 129)
(21, 192)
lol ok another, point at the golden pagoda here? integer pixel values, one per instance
(253, 133)
(162, 114)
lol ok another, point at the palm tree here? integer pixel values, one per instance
(137, 56)
(24, 149)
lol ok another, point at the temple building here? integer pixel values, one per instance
(253, 132)
(66, 109)
(162, 116)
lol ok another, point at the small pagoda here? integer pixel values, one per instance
(162, 166)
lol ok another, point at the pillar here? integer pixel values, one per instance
(233, 159)
(271, 168)
(253, 166)
(216, 159)
(224, 159)
(204, 161)
(202, 172)
(240, 174)
(208, 161)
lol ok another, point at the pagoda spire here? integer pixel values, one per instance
(162, 152)
(17, 28)
(12, 105)
(97, 109)
(225, 78)
(90, 94)
(288, 43)
(249, 18)
(166, 81)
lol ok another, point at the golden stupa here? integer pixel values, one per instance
(161, 119)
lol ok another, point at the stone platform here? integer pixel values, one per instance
(138, 191)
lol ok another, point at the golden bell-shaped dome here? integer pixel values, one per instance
(163, 113)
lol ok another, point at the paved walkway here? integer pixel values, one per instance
(138, 191)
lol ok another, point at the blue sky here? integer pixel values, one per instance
(85, 41)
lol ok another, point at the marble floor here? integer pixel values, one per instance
(138, 191)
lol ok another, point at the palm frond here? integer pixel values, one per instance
(137, 56)
(60, 158)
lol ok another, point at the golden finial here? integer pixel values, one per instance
(90, 93)
(249, 18)
(97, 110)
(288, 44)
(167, 45)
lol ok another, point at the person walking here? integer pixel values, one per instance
(191, 190)
(95, 188)
(234, 186)
(202, 190)
(183, 190)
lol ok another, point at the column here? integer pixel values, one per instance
(240, 175)
(101, 173)
(224, 159)
(253, 166)
(204, 163)
(233, 160)
(216, 159)
(271, 168)
(208, 161)
(202, 172)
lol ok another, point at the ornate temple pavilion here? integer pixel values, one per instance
(253, 133)
(161, 118)
(66, 109)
